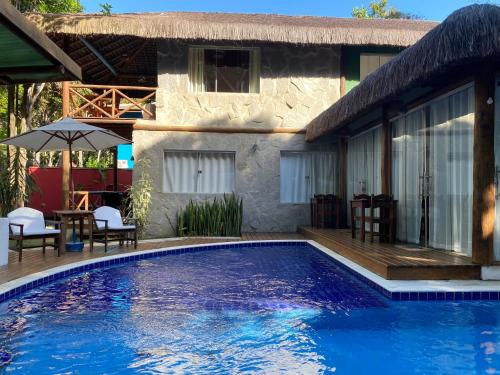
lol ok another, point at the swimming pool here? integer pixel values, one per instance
(286, 308)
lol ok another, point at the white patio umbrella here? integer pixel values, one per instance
(67, 135)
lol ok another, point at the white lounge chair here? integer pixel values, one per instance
(27, 223)
(109, 225)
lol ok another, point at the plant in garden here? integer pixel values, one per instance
(139, 197)
(220, 217)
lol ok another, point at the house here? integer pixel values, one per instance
(233, 94)
(425, 127)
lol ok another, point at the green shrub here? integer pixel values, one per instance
(217, 218)
(139, 197)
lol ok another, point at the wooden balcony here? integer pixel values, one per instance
(107, 104)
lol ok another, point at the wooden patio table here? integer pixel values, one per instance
(68, 215)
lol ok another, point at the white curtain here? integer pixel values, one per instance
(324, 173)
(198, 172)
(181, 172)
(196, 66)
(364, 160)
(294, 177)
(303, 174)
(408, 158)
(217, 172)
(450, 168)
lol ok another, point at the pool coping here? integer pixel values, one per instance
(396, 290)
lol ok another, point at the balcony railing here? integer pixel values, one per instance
(106, 102)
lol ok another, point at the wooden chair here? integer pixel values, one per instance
(325, 211)
(385, 219)
(361, 202)
(28, 224)
(110, 226)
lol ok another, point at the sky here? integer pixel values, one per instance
(429, 9)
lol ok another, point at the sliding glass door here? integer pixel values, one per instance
(364, 164)
(409, 177)
(432, 173)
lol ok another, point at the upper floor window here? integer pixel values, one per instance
(213, 69)
(369, 62)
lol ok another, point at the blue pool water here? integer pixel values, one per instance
(247, 310)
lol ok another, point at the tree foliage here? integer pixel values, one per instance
(48, 6)
(381, 9)
(106, 8)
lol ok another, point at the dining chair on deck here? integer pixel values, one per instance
(385, 218)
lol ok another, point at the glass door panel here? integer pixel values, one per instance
(432, 173)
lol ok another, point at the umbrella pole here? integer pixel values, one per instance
(71, 193)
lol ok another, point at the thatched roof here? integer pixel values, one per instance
(469, 35)
(239, 27)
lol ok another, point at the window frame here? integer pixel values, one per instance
(198, 153)
(254, 63)
(373, 54)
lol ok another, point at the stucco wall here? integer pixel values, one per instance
(297, 83)
(257, 161)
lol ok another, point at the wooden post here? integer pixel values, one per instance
(65, 154)
(342, 72)
(343, 180)
(386, 165)
(483, 199)
(115, 169)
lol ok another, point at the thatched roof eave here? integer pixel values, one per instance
(239, 27)
(469, 36)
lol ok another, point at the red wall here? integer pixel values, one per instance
(48, 195)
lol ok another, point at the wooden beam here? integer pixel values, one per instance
(483, 199)
(342, 72)
(32, 70)
(216, 129)
(343, 179)
(65, 154)
(386, 164)
(115, 168)
(99, 56)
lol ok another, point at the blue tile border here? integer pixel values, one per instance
(121, 259)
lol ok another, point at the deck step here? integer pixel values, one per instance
(394, 262)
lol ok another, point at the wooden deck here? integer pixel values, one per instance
(35, 261)
(394, 262)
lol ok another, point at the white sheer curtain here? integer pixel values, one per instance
(303, 174)
(324, 173)
(408, 155)
(181, 172)
(364, 164)
(217, 172)
(196, 63)
(450, 168)
(198, 172)
(294, 177)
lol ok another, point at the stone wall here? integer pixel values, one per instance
(297, 84)
(257, 161)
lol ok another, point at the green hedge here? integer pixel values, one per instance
(217, 218)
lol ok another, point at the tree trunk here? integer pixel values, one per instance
(12, 129)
